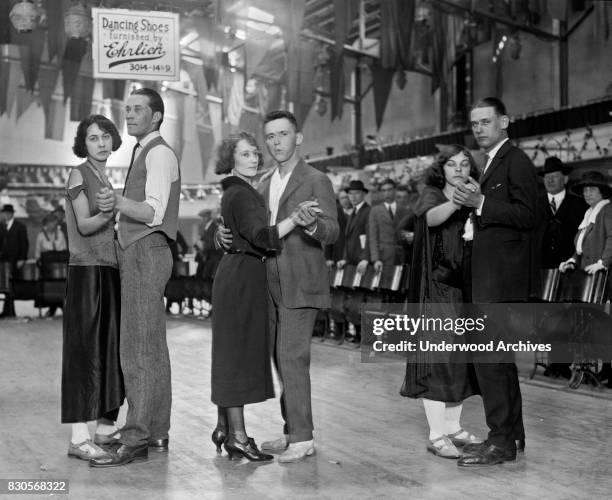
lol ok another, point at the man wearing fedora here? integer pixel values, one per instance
(13, 249)
(561, 212)
(356, 250)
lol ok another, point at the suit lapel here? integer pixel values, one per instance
(264, 191)
(497, 159)
(295, 180)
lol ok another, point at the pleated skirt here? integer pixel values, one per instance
(92, 382)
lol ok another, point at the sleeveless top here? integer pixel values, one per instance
(98, 248)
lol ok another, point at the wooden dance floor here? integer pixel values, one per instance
(370, 441)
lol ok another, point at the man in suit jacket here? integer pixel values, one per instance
(561, 212)
(385, 247)
(357, 253)
(298, 282)
(13, 249)
(356, 248)
(502, 269)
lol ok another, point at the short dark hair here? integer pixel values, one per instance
(491, 102)
(387, 181)
(225, 153)
(79, 148)
(49, 218)
(436, 176)
(156, 103)
(281, 113)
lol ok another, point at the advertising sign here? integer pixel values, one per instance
(135, 45)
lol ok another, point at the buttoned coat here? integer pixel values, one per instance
(383, 235)
(505, 265)
(301, 265)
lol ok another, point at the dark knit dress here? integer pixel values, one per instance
(450, 259)
(241, 370)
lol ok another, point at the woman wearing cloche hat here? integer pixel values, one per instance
(594, 238)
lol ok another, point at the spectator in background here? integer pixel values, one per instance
(402, 196)
(385, 246)
(13, 249)
(208, 256)
(356, 250)
(345, 203)
(335, 251)
(49, 239)
(562, 212)
(60, 215)
(50, 248)
(593, 251)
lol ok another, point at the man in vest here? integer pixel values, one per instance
(147, 220)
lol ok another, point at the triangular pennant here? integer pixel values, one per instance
(25, 98)
(75, 49)
(5, 70)
(382, 79)
(5, 23)
(55, 120)
(30, 54)
(56, 34)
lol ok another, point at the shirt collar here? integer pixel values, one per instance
(495, 149)
(358, 207)
(559, 197)
(148, 138)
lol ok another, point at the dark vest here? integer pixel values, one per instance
(131, 230)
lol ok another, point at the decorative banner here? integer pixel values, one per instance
(136, 45)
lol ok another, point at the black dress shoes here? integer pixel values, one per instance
(236, 450)
(121, 456)
(218, 438)
(471, 449)
(487, 456)
(159, 445)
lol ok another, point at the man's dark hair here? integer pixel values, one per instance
(281, 113)
(491, 102)
(155, 101)
(389, 182)
(80, 148)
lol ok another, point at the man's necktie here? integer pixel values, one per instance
(486, 163)
(390, 211)
(136, 146)
(553, 206)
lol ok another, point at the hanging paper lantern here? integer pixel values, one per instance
(24, 16)
(77, 21)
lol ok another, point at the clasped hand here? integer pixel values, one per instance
(106, 199)
(305, 214)
(468, 194)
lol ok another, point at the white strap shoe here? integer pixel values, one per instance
(297, 452)
(279, 444)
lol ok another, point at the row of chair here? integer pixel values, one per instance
(574, 287)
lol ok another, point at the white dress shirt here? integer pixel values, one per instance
(559, 197)
(162, 171)
(277, 188)
(392, 206)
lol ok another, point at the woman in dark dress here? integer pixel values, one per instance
(241, 370)
(441, 274)
(92, 382)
